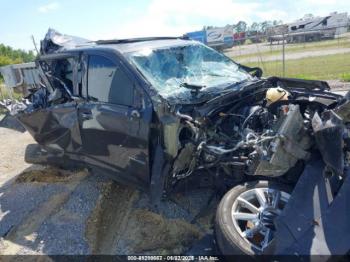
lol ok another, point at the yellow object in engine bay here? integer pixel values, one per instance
(275, 94)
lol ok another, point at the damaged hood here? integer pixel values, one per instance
(188, 97)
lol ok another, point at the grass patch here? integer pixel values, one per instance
(321, 67)
(5, 94)
(248, 42)
(345, 77)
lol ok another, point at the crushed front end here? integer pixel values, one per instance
(261, 130)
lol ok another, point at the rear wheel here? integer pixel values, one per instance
(246, 214)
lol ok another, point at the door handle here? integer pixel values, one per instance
(135, 114)
(86, 115)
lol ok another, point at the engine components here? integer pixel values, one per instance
(275, 94)
(251, 138)
(291, 144)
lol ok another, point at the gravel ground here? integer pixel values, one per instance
(44, 210)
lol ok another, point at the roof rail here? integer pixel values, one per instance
(134, 40)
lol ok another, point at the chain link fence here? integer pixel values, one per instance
(317, 58)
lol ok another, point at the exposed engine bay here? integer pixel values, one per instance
(268, 133)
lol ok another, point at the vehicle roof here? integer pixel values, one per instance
(131, 46)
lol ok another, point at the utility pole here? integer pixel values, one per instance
(283, 56)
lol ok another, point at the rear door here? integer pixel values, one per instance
(52, 123)
(114, 123)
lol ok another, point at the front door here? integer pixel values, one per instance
(114, 129)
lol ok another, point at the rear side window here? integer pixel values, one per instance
(108, 83)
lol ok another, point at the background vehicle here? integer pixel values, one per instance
(218, 37)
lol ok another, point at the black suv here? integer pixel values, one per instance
(159, 113)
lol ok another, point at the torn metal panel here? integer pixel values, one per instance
(39, 99)
(55, 42)
(315, 222)
(343, 110)
(13, 106)
(55, 126)
(290, 146)
(329, 139)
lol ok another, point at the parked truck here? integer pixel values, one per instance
(218, 38)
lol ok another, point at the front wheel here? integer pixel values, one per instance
(245, 217)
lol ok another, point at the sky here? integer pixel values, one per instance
(112, 19)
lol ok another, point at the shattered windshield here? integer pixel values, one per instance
(174, 70)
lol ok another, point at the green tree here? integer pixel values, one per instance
(265, 25)
(16, 55)
(254, 27)
(9, 56)
(241, 26)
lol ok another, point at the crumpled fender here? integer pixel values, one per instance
(54, 126)
(315, 221)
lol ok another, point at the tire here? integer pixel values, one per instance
(228, 235)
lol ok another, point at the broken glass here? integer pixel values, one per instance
(167, 69)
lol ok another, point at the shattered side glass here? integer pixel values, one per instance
(194, 64)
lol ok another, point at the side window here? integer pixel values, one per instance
(62, 72)
(108, 83)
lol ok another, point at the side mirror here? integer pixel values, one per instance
(254, 71)
(257, 72)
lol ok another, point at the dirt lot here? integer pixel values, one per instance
(45, 210)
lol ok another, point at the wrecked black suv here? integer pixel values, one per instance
(161, 113)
